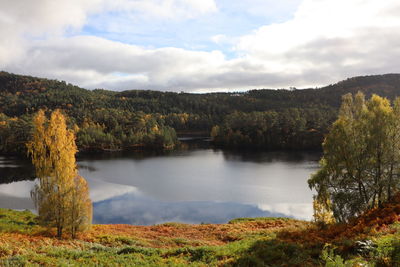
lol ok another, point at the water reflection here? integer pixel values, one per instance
(16, 195)
(273, 156)
(194, 186)
(137, 209)
(13, 169)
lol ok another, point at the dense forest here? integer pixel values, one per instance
(108, 120)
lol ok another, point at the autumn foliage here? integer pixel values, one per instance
(241, 242)
(61, 197)
(361, 163)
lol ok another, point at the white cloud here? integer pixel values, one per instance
(219, 38)
(97, 62)
(325, 41)
(23, 19)
(341, 38)
(45, 18)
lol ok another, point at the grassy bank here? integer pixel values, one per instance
(372, 239)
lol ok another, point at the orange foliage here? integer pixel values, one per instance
(207, 234)
(372, 222)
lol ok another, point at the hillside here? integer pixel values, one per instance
(371, 239)
(108, 120)
(59, 94)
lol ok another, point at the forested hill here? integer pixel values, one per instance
(387, 85)
(52, 93)
(271, 119)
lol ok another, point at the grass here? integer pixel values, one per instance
(372, 240)
(17, 221)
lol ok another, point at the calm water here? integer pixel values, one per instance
(193, 186)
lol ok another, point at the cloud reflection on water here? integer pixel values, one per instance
(186, 186)
(16, 195)
(100, 190)
(137, 209)
(302, 211)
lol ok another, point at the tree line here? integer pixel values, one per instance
(108, 120)
(292, 128)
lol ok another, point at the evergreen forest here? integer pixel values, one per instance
(269, 119)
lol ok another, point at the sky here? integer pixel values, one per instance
(199, 45)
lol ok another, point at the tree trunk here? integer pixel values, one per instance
(59, 232)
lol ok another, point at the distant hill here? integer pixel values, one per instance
(26, 87)
(387, 85)
(120, 114)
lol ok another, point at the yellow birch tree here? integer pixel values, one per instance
(60, 191)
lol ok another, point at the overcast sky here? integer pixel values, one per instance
(199, 45)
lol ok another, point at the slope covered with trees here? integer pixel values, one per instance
(268, 119)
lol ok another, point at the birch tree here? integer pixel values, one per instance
(361, 163)
(61, 197)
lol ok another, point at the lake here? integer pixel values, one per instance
(196, 185)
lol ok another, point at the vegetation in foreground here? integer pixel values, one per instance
(370, 240)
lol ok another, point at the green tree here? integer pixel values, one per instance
(61, 197)
(361, 161)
